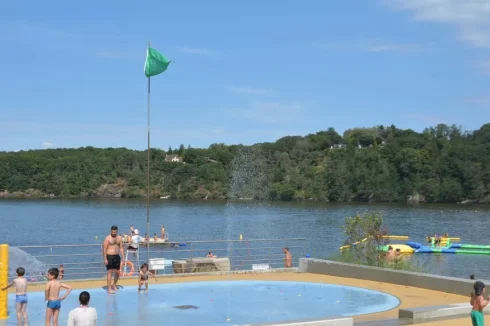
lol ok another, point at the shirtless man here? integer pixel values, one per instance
(288, 258)
(113, 251)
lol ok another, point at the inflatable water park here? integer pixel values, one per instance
(432, 245)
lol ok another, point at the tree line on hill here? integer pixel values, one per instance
(440, 164)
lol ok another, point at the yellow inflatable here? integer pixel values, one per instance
(404, 249)
(392, 237)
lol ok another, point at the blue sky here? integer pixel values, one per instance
(245, 71)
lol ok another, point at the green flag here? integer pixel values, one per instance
(155, 63)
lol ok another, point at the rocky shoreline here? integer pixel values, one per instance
(120, 190)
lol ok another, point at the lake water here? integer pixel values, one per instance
(54, 222)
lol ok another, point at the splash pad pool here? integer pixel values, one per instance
(218, 303)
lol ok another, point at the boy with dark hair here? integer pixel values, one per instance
(478, 303)
(52, 295)
(20, 284)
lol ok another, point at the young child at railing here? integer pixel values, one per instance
(62, 272)
(20, 284)
(143, 277)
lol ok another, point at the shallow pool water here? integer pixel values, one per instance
(217, 303)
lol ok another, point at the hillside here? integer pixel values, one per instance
(441, 164)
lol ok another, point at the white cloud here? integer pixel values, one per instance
(48, 144)
(196, 51)
(485, 66)
(387, 47)
(248, 90)
(425, 118)
(110, 54)
(269, 112)
(471, 18)
(373, 45)
(482, 101)
(70, 135)
(42, 36)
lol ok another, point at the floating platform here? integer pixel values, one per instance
(404, 249)
(455, 248)
(201, 265)
(392, 237)
(159, 242)
(445, 246)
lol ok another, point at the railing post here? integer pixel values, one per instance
(4, 279)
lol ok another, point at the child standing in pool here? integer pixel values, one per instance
(52, 295)
(143, 277)
(20, 284)
(478, 303)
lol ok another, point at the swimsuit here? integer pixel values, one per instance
(144, 277)
(477, 318)
(54, 304)
(113, 262)
(21, 298)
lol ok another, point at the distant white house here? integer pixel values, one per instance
(173, 158)
(337, 146)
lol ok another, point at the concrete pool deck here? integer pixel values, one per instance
(409, 296)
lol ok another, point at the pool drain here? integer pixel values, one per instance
(185, 307)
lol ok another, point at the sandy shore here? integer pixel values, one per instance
(409, 296)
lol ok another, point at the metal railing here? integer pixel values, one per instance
(85, 261)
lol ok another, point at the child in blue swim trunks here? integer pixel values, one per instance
(52, 295)
(478, 303)
(20, 284)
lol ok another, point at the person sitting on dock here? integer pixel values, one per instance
(390, 254)
(61, 269)
(398, 255)
(163, 233)
(437, 240)
(210, 255)
(147, 239)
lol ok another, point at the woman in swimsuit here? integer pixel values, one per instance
(143, 277)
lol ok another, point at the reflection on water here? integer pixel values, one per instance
(112, 310)
(142, 308)
(35, 222)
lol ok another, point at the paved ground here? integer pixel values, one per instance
(409, 296)
(455, 322)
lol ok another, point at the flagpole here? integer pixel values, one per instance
(148, 173)
(155, 64)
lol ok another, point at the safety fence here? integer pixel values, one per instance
(86, 261)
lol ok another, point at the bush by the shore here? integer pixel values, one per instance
(365, 235)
